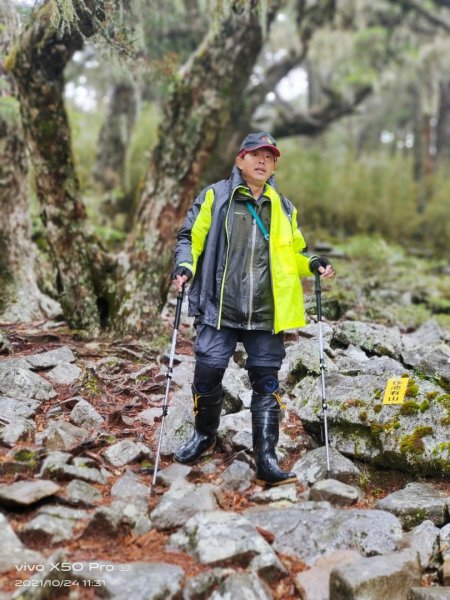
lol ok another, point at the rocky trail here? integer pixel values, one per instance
(79, 426)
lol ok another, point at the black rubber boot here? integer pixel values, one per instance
(265, 410)
(207, 409)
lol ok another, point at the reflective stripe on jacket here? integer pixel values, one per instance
(203, 244)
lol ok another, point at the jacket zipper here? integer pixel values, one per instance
(222, 287)
(252, 254)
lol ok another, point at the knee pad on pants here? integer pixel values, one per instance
(206, 379)
(264, 380)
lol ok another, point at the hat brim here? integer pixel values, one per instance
(273, 149)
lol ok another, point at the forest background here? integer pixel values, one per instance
(115, 113)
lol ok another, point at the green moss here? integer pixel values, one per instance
(431, 395)
(25, 455)
(412, 389)
(377, 393)
(446, 420)
(377, 408)
(409, 408)
(413, 443)
(444, 400)
(423, 406)
(363, 415)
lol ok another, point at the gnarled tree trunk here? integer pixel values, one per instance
(38, 63)
(197, 111)
(20, 297)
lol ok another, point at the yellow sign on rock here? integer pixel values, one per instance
(395, 390)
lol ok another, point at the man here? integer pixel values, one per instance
(241, 246)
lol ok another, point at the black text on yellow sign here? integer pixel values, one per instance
(395, 390)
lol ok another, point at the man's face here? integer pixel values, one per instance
(257, 166)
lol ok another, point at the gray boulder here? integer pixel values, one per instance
(376, 577)
(25, 493)
(406, 437)
(12, 408)
(312, 529)
(126, 451)
(372, 337)
(18, 429)
(312, 467)
(81, 493)
(13, 554)
(22, 383)
(182, 501)
(108, 521)
(424, 539)
(64, 374)
(433, 361)
(220, 537)
(335, 492)
(61, 435)
(140, 581)
(417, 502)
(85, 415)
(53, 524)
(242, 585)
(52, 358)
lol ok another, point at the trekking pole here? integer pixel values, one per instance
(169, 374)
(318, 291)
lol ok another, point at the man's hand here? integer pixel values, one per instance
(179, 276)
(322, 266)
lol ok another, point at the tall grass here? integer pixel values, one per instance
(374, 194)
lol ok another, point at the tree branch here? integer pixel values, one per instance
(419, 7)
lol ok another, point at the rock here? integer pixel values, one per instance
(5, 344)
(236, 388)
(431, 361)
(372, 337)
(417, 502)
(53, 524)
(238, 476)
(200, 585)
(21, 383)
(18, 429)
(314, 583)
(283, 494)
(302, 358)
(64, 374)
(429, 593)
(129, 487)
(428, 334)
(424, 539)
(220, 537)
(13, 554)
(52, 358)
(140, 581)
(149, 415)
(81, 493)
(121, 514)
(25, 493)
(335, 492)
(444, 546)
(312, 529)
(371, 578)
(84, 414)
(405, 437)
(242, 585)
(172, 473)
(12, 408)
(57, 465)
(312, 467)
(236, 427)
(61, 435)
(182, 501)
(126, 451)
(183, 374)
(179, 422)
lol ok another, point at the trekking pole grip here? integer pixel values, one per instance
(178, 308)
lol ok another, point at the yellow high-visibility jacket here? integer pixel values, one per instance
(203, 247)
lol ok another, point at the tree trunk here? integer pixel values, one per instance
(443, 125)
(38, 63)
(115, 134)
(197, 111)
(20, 297)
